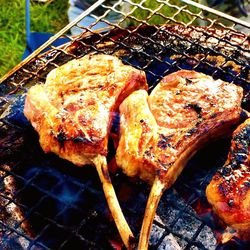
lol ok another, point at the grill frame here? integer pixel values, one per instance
(38, 64)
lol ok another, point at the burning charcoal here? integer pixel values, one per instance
(156, 233)
(186, 225)
(194, 248)
(206, 236)
(170, 208)
(11, 142)
(11, 216)
(14, 112)
(169, 243)
(177, 217)
(9, 241)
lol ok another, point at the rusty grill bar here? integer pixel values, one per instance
(42, 197)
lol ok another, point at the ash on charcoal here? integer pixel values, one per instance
(161, 239)
(23, 242)
(176, 218)
(11, 215)
(187, 225)
(11, 241)
(169, 243)
(207, 238)
(194, 248)
(156, 234)
(36, 248)
(13, 113)
(167, 213)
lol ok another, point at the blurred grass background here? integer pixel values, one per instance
(168, 10)
(51, 17)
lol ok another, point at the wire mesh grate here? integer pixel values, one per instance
(40, 190)
(158, 37)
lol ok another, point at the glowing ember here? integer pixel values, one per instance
(115, 244)
(202, 208)
(228, 235)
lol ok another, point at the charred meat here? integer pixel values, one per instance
(161, 132)
(72, 111)
(229, 190)
(156, 129)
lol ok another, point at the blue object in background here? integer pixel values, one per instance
(35, 39)
(78, 6)
(74, 12)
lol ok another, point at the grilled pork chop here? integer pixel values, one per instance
(229, 190)
(73, 111)
(159, 133)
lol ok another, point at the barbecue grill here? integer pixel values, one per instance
(48, 203)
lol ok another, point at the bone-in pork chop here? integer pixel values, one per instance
(159, 133)
(73, 112)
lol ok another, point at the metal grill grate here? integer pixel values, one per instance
(41, 186)
(42, 197)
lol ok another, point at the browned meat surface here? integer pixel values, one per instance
(185, 108)
(72, 111)
(159, 133)
(229, 190)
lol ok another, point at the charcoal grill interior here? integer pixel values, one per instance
(48, 203)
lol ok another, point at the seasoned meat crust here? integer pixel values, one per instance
(72, 112)
(160, 132)
(229, 190)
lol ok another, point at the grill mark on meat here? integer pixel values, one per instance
(247, 184)
(192, 131)
(61, 137)
(195, 107)
(148, 152)
(225, 171)
(80, 139)
(163, 143)
(164, 166)
(188, 81)
(178, 92)
(230, 203)
(76, 105)
(213, 116)
(172, 142)
(239, 153)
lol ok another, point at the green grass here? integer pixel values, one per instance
(44, 18)
(163, 14)
(51, 18)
